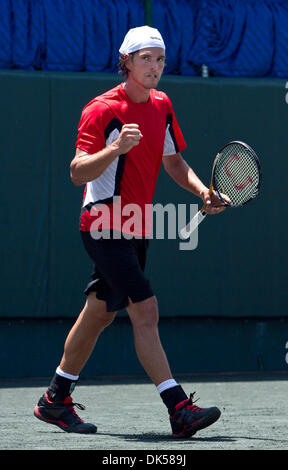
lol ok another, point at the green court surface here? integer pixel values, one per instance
(130, 415)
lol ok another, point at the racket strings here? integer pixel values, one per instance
(236, 174)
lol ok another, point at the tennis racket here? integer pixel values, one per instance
(236, 173)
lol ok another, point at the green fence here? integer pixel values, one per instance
(239, 266)
(223, 305)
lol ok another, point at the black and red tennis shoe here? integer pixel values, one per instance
(63, 415)
(187, 418)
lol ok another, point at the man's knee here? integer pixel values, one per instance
(98, 311)
(144, 313)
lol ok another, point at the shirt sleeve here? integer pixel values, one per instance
(174, 140)
(91, 127)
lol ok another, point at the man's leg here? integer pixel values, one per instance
(56, 405)
(79, 345)
(82, 337)
(185, 418)
(144, 318)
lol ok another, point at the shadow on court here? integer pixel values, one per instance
(149, 437)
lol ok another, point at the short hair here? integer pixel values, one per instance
(122, 69)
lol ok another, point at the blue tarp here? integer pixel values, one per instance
(232, 37)
(240, 38)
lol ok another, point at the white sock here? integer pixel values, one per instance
(67, 376)
(166, 384)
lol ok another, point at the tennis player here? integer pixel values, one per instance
(124, 136)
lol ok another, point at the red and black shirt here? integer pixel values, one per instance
(131, 178)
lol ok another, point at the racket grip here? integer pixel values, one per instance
(193, 224)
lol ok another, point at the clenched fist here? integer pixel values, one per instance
(129, 136)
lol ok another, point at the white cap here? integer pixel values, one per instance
(140, 38)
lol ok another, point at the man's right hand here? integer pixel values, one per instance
(129, 136)
(87, 167)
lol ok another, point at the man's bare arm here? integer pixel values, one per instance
(87, 167)
(182, 174)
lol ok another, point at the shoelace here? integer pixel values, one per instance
(78, 405)
(69, 402)
(191, 405)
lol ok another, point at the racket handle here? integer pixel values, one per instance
(193, 224)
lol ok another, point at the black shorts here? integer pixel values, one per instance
(118, 272)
